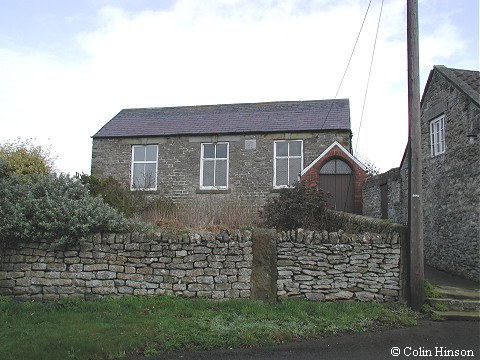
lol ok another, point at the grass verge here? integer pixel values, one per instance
(113, 328)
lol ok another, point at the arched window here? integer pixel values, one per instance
(336, 166)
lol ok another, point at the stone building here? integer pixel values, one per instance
(243, 151)
(450, 127)
(386, 195)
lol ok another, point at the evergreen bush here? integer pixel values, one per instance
(300, 206)
(56, 208)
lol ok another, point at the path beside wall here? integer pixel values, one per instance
(262, 264)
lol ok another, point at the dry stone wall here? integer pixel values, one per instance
(337, 265)
(260, 264)
(210, 265)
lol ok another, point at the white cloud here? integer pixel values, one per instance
(218, 52)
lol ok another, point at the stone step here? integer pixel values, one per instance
(455, 304)
(451, 292)
(458, 315)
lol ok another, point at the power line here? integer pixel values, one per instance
(368, 79)
(348, 64)
(365, 98)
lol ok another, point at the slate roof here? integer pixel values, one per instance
(467, 81)
(268, 117)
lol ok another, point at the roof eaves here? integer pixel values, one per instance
(96, 136)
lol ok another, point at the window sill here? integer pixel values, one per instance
(213, 191)
(278, 189)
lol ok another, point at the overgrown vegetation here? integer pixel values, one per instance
(113, 328)
(37, 204)
(432, 293)
(116, 194)
(209, 213)
(301, 206)
(56, 208)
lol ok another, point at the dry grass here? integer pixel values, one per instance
(211, 213)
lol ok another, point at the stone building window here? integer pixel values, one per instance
(288, 162)
(144, 167)
(214, 166)
(437, 136)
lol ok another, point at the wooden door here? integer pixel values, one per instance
(337, 180)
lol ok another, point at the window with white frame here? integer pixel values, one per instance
(437, 136)
(288, 162)
(144, 167)
(214, 166)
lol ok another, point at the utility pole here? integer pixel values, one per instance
(415, 196)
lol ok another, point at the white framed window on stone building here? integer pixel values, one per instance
(214, 166)
(144, 167)
(437, 135)
(288, 162)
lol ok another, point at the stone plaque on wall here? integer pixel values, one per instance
(250, 144)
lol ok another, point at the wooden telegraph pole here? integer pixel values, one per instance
(415, 209)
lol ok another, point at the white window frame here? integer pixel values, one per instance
(437, 136)
(144, 162)
(202, 159)
(288, 157)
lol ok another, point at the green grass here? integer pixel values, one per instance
(430, 291)
(113, 328)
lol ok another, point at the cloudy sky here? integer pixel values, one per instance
(69, 66)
